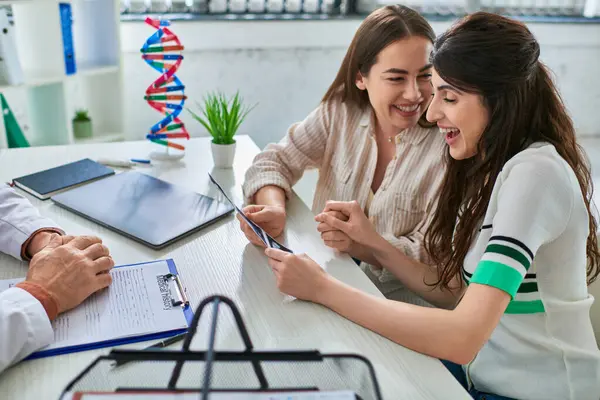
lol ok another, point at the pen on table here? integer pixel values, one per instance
(109, 162)
(116, 163)
(140, 161)
(159, 345)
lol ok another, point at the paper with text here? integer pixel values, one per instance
(137, 303)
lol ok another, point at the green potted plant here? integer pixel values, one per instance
(82, 124)
(222, 116)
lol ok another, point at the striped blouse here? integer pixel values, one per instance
(339, 140)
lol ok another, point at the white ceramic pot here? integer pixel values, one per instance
(223, 154)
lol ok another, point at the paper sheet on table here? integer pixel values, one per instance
(137, 303)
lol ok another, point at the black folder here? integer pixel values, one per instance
(47, 183)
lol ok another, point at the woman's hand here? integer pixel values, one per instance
(297, 275)
(270, 218)
(357, 226)
(335, 238)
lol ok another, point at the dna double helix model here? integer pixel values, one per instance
(162, 51)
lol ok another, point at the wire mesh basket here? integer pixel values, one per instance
(202, 374)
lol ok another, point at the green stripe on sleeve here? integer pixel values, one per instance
(509, 252)
(525, 307)
(498, 275)
(528, 287)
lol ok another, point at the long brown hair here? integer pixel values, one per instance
(381, 28)
(497, 58)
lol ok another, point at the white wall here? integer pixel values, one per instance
(286, 66)
(272, 78)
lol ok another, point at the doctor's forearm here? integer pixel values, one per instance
(24, 326)
(19, 220)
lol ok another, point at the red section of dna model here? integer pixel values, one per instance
(162, 51)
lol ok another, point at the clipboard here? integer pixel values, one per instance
(260, 232)
(179, 300)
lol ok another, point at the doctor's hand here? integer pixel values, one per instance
(38, 241)
(71, 268)
(269, 218)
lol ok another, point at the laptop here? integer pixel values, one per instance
(146, 209)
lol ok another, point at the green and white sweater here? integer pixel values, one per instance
(532, 245)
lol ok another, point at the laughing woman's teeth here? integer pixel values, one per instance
(407, 108)
(450, 131)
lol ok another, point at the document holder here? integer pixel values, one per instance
(213, 371)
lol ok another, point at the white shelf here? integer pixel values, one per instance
(11, 2)
(102, 138)
(98, 69)
(48, 98)
(34, 79)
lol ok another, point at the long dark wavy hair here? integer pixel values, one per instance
(381, 28)
(497, 58)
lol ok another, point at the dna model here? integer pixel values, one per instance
(162, 51)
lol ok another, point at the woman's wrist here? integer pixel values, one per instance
(324, 290)
(270, 195)
(377, 246)
(363, 253)
(356, 250)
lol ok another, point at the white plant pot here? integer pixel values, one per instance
(223, 154)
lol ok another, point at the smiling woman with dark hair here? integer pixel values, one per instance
(371, 143)
(513, 239)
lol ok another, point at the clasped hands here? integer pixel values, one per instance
(343, 226)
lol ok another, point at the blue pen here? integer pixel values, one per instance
(140, 161)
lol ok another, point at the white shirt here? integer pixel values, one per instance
(24, 324)
(532, 245)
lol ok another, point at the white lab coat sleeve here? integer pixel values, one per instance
(18, 220)
(24, 326)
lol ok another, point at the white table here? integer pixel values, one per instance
(220, 260)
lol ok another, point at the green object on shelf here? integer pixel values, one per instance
(14, 134)
(82, 129)
(82, 124)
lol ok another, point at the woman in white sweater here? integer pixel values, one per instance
(370, 142)
(513, 238)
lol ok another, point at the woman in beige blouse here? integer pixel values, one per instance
(371, 143)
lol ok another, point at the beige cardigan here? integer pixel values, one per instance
(339, 140)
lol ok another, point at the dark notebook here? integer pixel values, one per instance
(45, 184)
(143, 208)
